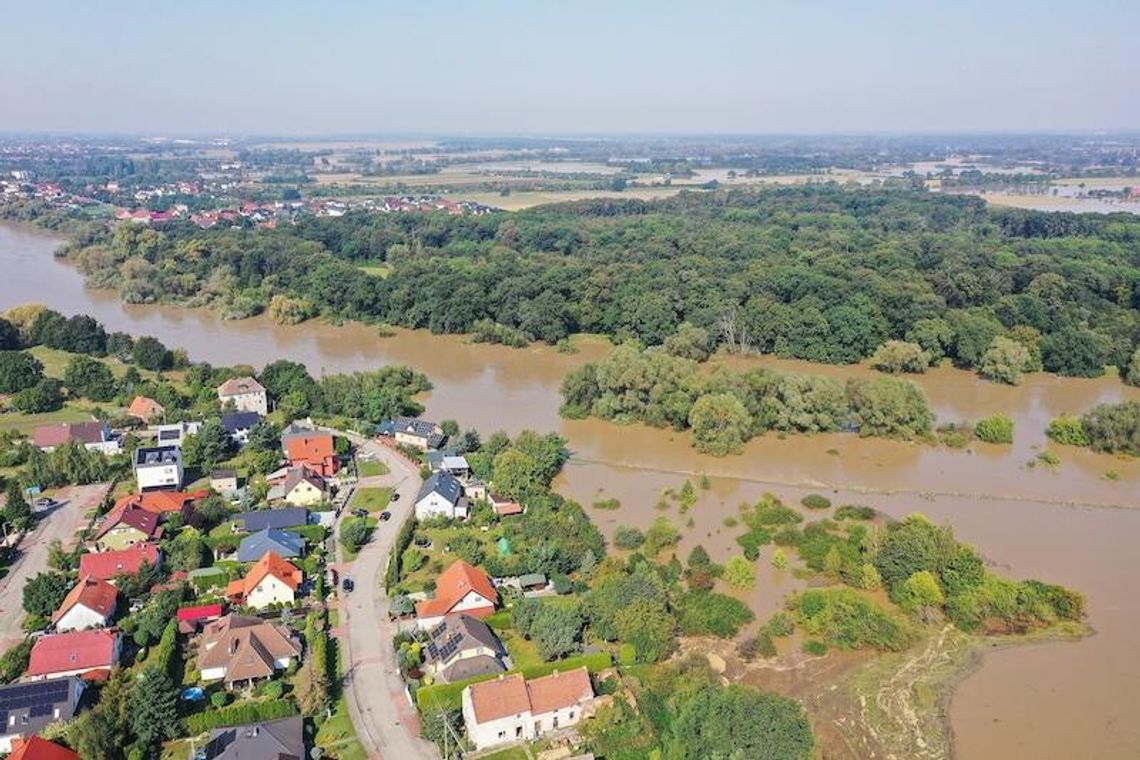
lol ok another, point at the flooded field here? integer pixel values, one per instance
(1072, 524)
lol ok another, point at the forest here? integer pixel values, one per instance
(823, 273)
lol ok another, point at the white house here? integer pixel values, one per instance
(462, 587)
(158, 467)
(272, 580)
(90, 604)
(512, 709)
(245, 393)
(176, 433)
(441, 496)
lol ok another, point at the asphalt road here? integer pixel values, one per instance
(62, 522)
(386, 723)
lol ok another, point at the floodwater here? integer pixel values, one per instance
(1074, 524)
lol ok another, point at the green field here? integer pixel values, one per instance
(25, 423)
(372, 499)
(369, 469)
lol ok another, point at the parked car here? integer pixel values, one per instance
(347, 584)
(395, 496)
(385, 516)
(360, 512)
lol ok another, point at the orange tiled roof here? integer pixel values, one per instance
(238, 385)
(270, 563)
(161, 502)
(511, 695)
(97, 596)
(35, 748)
(454, 583)
(310, 448)
(145, 408)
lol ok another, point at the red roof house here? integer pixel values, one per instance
(104, 566)
(73, 654)
(145, 409)
(461, 588)
(162, 503)
(89, 605)
(35, 748)
(317, 452)
(190, 619)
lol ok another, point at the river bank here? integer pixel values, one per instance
(1042, 700)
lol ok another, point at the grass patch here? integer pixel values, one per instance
(371, 468)
(524, 654)
(336, 735)
(510, 753)
(372, 499)
(376, 270)
(55, 362)
(26, 423)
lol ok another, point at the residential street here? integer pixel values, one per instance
(61, 522)
(386, 723)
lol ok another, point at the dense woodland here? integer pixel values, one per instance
(821, 273)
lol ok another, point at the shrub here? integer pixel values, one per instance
(1004, 361)
(780, 625)
(607, 504)
(660, 535)
(1114, 428)
(997, 428)
(816, 501)
(1067, 430)
(240, 714)
(815, 647)
(846, 619)
(627, 654)
(855, 512)
(897, 356)
(739, 573)
(220, 699)
(760, 645)
(628, 538)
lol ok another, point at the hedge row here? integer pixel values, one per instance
(449, 696)
(240, 714)
(403, 541)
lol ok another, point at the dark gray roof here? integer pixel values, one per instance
(459, 633)
(235, 421)
(254, 547)
(416, 426)
(443, 483)
(274, 740)
(469, 667)
(275, 518)
(146, 456)
(33, 705)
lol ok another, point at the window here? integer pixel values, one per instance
(518, 732)
(571, 716)
(555, 721)
(502, 734)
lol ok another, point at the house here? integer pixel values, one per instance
(313, 450)
(282, 543)
(158, 467)
(72, 654)
(246, 395)
(282, 739)
(289, 517)
(27, 708)
(224, 482)
(448, 461)
(176, 433)
(106, 566)
(127, 527)
(241, 649)
(272, 580)
(36, 748)
(90, 604)
(300, 487)
(190, 619)
(163, 504)
(504, 506)
(418, 433)
(511, 708)
(93, 436)
(462, 647)
(145, 409)
(462, 587)
(238, 425)
(441, 495)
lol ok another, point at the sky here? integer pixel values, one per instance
(581, 67)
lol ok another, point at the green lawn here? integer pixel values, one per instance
(26, 423)
(524, 654)
(437, 558)
(510, 753)
(55, 362)
(370, 469)
(372, 499)
(377, 270)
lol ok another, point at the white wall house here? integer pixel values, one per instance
(512, 709)
(270, 590)
(246, 395)
(158, 467)
(441, 496)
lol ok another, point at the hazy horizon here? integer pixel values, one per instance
(582, 70)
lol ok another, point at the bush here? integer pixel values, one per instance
(997, 428)
(816, 501)
(661, 534)
(780, 625)
(627, 654)
(814, 647)
(897, 356)
(846, 619)
(1004, 361)
(739, 573)
(760, 645)
(628, 538)
(1114, 428)
(220, 699)
(240, 714)
(855, 512)
(608, 505)
(1067, 430)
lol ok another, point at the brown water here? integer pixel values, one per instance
(1070, 525)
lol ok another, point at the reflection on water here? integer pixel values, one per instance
(1053, 700)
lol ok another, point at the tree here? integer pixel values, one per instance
(44, 593)
(354, 534)
(889, 407)
(516, 474)
(102, 731)
(1004, 361)
(45, 396)
(154, 708)
(720, 424)
(87, 377)
(933, 336)
(921, 595)
(649, 627)
(149, 353)
(1074, 351)
(9, 336)
(660, 535)
(450, 428)
(628, 538)
(739, 573)
(557, 631)
(739, 721)
(17, 511)
(1132, 371)
(913, 545)
(689, 342)
(211, 445)
(19, 370)
(897, 356)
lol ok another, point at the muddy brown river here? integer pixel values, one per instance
(1074, 524)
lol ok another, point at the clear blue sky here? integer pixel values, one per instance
(535, 66)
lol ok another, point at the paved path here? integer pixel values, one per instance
(61, 522)
(386, 723)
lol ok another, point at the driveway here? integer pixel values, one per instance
(386, 723)
(62, 521)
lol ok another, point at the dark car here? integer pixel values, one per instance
(385, 516)
(395, 496)
(360, 512)
(347, 584)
